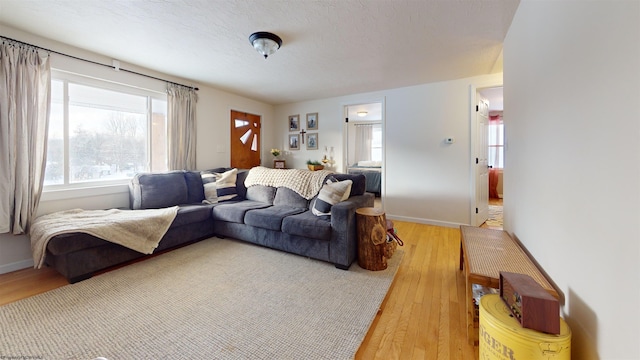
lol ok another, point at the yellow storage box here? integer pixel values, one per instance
(503, 338)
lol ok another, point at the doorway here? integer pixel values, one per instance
(495, 156)
(245, 140)
(364, 145)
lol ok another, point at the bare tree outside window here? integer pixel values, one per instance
(109, 135)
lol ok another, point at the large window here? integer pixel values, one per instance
(103, 132)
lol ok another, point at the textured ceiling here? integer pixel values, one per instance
(330, 47)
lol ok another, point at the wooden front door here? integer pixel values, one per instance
(245, 140)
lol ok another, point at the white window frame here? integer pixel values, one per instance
(97, 187)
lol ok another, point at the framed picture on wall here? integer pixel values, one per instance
(294, 142)
(312, 141)
(312, 121)
(294, 122)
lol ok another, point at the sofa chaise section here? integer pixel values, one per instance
(79, 256)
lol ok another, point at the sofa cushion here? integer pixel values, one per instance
(240, 187)
(235, 211)
(287, 197)
(331, 194)
(195, 190)
(261, 193)
(150, 191)
(270, 218)
(191, 214)
(307, 225)
(71, 242)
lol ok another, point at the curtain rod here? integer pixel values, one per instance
(97, 63)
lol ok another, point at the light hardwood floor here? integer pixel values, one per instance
(422, 317)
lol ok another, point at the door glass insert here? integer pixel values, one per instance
(241, 123)
(254, 144)
(246, 136)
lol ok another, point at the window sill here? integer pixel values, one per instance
(53, 194)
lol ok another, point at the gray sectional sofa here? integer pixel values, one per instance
(278, 218)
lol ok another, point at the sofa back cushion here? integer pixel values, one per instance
(261, 193)
(359, 185)
(240, 178)
(287, 197)
(154, 191)
(195, 187)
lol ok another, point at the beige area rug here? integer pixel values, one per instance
(216, 299)
(495, 216)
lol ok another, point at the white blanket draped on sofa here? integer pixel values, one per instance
(304, 182)
(139, 230)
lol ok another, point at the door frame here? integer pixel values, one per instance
(473, 100)
(345, 139)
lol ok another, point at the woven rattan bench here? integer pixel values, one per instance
(483, 254)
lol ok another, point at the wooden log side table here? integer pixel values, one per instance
(483, 254)
(373, 251)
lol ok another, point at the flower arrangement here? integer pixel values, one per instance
(275, 152)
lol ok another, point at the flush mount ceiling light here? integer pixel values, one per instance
(265, 43)
(362, 113)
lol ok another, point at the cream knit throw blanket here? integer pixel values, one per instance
(139, 230)
(304, 182)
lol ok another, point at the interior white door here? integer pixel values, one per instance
(481, 162)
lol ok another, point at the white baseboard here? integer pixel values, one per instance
(18, 265)
(425, 221)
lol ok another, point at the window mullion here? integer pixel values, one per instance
(65, 130)
(149, 132)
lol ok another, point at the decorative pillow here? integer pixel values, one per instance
(226, 185)
(331, 194)
(210, 189)
(332, 179)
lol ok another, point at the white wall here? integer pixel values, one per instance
(212, 111)
(572, 173)
(214, 126)
(426, 180)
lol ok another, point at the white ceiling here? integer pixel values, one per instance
(330, 47)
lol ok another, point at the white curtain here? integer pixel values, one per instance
(364, 134)
(181, 129)
(25, 93)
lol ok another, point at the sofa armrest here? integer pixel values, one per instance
(343, 249)
(343, 213)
